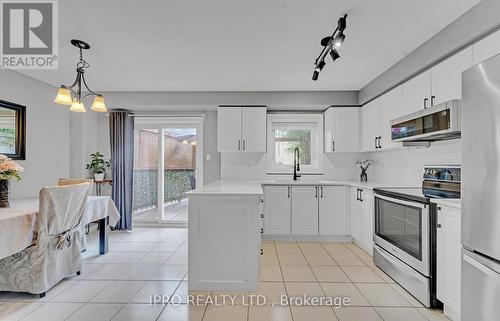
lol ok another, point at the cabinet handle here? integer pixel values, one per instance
(376, 146)
(360, 195)
(333, 146)
(261, 231)
(243, 144)
(439, 208)
(380, 142)
(425, 102)
(321, 191)
(438, 225)
(432, 100)
(261, 251)
(288, 189)
(316, 188)
(261, 215)
(357, 194)
(239, 144)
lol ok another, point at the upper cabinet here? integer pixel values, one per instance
(486, 48)
(390, 108)
(370, 125)
(416, 93)
(437, 85)
(447, 77)
(342, 130)
(241, 129)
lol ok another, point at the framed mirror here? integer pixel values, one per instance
(12, 130)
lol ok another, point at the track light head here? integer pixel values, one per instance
(315, 75)
(325, 41)
(342, 24)
(334, 54)
(339, 40)
(320, 66)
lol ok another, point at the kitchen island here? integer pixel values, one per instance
(224, 236)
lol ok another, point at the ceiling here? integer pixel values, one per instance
(236, 45)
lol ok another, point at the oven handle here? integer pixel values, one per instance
(399, 201)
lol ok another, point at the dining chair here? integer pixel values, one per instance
(72, 181)
(56, 252)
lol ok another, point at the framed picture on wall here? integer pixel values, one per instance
(13, 130)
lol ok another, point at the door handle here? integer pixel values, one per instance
(425, 102)
(432, 100)
(243, 144)
(321, 191)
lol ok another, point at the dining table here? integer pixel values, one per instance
(18, 223)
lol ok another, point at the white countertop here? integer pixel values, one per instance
(249, 187)
(453, 202)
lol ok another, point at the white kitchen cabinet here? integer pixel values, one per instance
(341, 129)
(391, 107)
(277, 206)
(361, 217)
(229, 129)
(370, 125)
(367, 216)
(449, 259)
(355, 214)
(486, 48)
(241, 129)
(447, 77)
(416, 93)
(333, 218)
(305, 210)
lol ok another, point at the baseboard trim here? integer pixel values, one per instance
(293, 238)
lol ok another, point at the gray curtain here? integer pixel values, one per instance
(121, 133)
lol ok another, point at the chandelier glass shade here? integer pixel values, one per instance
(75, 94)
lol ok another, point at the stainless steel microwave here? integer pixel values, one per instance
(440, 122)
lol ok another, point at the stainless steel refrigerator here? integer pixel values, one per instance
(481, 192)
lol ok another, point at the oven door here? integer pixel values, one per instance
(402, 229)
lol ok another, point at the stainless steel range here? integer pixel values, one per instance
(405, 230)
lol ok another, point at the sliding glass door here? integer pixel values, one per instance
(174, 145)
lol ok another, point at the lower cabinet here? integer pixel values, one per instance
(277, 206)
(449, 260)
(333, 218)
(362, 217)
(305, 210)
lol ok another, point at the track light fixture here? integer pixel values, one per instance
(330, 45)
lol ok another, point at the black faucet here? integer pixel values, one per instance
(296, 161)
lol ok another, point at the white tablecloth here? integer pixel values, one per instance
(18, 223)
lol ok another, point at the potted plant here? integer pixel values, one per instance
(8, 170)
(98, 165)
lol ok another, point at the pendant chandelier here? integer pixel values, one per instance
(72, 95)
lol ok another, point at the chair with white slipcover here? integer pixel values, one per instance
(55, 253)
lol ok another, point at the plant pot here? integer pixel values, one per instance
(99, 177)
(4, 193)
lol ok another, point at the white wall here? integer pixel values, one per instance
(469, 28)
(253, 166)
(47, 132)
(403, 166)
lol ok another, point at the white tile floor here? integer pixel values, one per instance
(149, 261)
